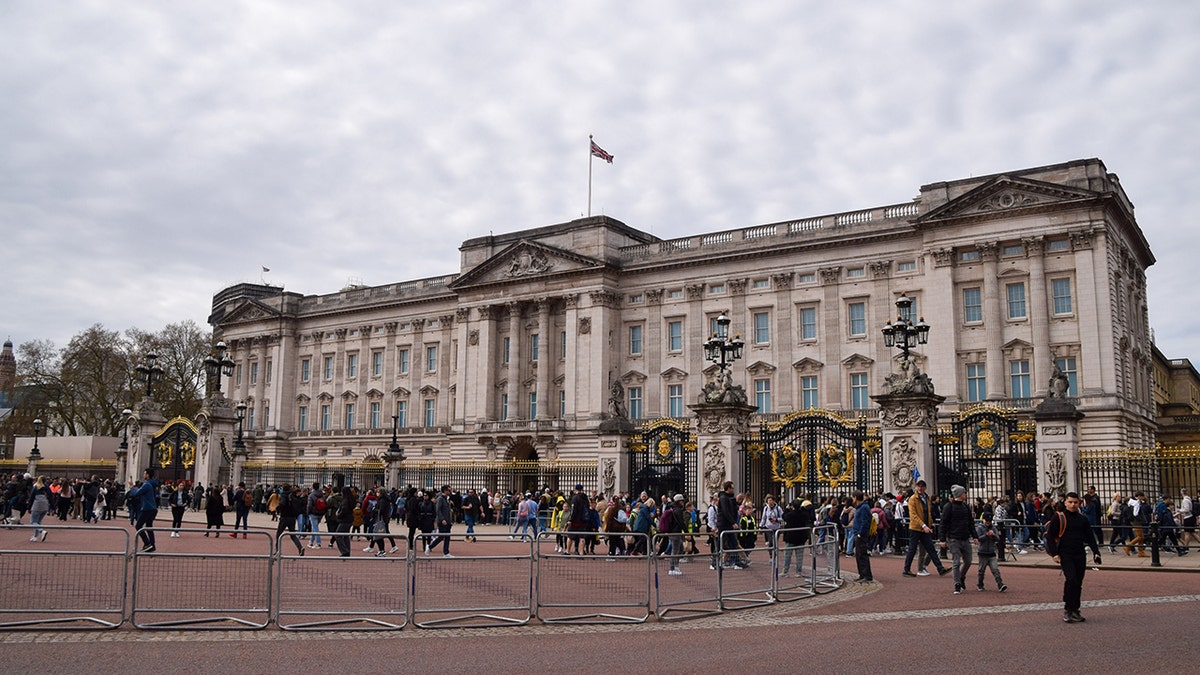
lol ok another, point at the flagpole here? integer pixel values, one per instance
(589, 210)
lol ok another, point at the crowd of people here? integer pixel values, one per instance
(623, 523)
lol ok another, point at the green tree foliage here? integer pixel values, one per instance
(83, 387)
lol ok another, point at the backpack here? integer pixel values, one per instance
(247, 498)
(319, 506)
(874, 524)
(1059, 522)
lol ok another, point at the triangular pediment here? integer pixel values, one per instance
(429, 390)
(526, 260)
(250, 310)
(633, 377)
(673, 374)
(759, 368)
(857, 361)
(401, 393)
(807, 365)
(1006, 194)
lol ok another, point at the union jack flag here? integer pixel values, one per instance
(597, 151)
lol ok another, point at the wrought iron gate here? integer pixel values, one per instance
(987, 450)
(662, 460)
(173, 450)
(813, 451)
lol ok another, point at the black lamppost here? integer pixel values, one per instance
(37, 431)
(720, 348)
(150, 372)
(239, 445)
(125, 415)
(904, 334)
(218, 365)
(394, 449)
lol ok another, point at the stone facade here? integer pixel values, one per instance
(515, 355)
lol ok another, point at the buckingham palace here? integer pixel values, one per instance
(517, 355)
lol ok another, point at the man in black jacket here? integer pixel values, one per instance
(1067, 533)
(957, 531)
(727, 525)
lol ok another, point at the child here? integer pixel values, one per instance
(987, 551)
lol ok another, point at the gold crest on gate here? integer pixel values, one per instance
(835, 465)
(788, 466)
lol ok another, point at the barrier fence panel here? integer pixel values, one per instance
(794, 565)
(486, 582)
(323, 591)
(202, 590)
(826, 559)
(73, 578)
(692, 591)
(593, 588)
(746, 575)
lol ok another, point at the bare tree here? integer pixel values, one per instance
(82, 388)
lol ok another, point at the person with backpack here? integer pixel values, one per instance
(987, 536)
(771, 520)
(314, 510)
(290, 507)
(1138, 515)
(243, 500)
(1068, 534)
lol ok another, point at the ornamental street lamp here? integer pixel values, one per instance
(149, 372)
(125, 415)
(720, 348)
(219, 365)
(239, 445)
(904, 334)
(37, 431)
(394, 450)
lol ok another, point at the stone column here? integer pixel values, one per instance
(215, 424)
(994, 311)
(147, 421)
(513, 388)
(720, 428)
(545, 369)
(1039, 315)
(908, 422)
(1057, 437)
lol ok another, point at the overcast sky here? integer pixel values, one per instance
(152, 153)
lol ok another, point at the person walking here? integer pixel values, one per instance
(179, 501)
(214, 510)
(243, 500)
(1187, 518)
(920, 531)
(957, 530)
(443, 515)
(1068, 532)
(986, 535)
(39, 506)
(860, 531)
(344, 521)
(289, 506)
(146, 496)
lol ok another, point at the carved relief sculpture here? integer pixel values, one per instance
(608, 478)
(714, 467)
(904, 461)
(1056, 472)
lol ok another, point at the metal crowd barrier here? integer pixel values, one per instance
(746, 573)
(598, 584)
(471, 590)
(827, 570)
(795, 580)
(202, 590)
(323, 591)
(63, 581)
(695, 591)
